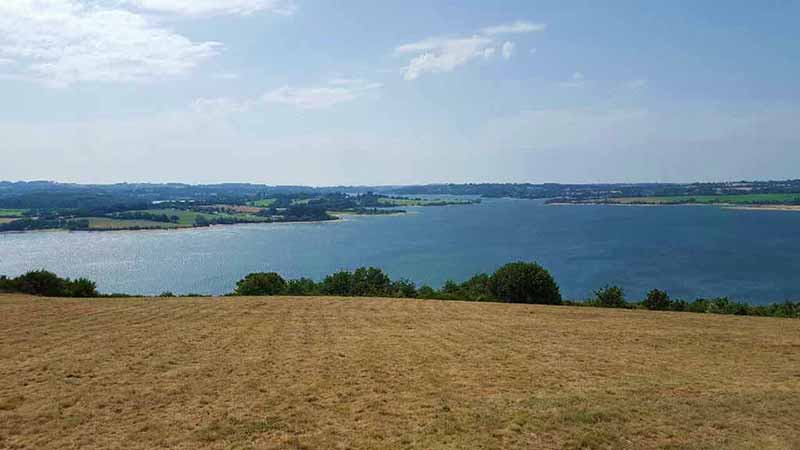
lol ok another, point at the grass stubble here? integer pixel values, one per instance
(327, 373)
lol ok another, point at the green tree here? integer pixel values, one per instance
(427, 292)
(339, 283)
(261, 284)
(404, 289)
(609, 297)
(81, 288)
(41, 282)
(301, 286)
(477, 288)
(522, 282)
(657, 300)
(370, 282)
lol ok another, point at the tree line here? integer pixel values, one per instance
(519, 282)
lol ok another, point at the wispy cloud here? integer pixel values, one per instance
(226, 76)
(440, 55)
(518, 27)
(216, 7)
(60, 42)
(577, 80)
(443, 55)
(321, 97)
(508, 50)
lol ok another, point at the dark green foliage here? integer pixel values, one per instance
(426, 292)
(261, 284)
(404, 289)
(609, 297)
(81, 288)
(657, 300)
(302, 286)
(339, 283)
(48, 284)
(524, 283)
(370, 282)
(40, 282)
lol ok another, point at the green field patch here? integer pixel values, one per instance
(743, 199)
(397, 201)
(12, 213)
(264, 203)
(107, 223)
(6, 220)
(189, 218)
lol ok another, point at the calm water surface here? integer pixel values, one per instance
(691, 251)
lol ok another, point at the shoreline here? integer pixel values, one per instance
(743, 207)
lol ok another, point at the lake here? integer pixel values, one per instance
(691, 251)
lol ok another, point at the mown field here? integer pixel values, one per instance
(9, 213)
(743, 199)
(326, 373)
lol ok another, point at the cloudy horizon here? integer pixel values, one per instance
(291, 92)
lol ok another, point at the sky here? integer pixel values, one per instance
(364, 92)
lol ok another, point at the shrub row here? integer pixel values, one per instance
(514, 283)
(518, 282)
(47, 284)
(658, 300)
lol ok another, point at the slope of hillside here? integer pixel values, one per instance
(323, 373)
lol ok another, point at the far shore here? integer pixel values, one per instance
(721, 205)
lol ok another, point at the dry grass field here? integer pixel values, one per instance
(325, 373)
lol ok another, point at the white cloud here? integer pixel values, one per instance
(61, 42)
(442, 55)
(321, 97)
(508, 50)
(221, 105)
(518, 27)
(439, 55)
(216, 7)
(226, 76)
(636, 85)
(533, 51)
(577, 80)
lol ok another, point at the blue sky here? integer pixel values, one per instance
(394, 92)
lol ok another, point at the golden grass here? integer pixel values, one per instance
(326, 373)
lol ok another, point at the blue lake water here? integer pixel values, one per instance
(692, 251)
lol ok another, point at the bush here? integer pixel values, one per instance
(404, 289)
(81, 288)
(302, 286)
(339, 283)
(657, 300)
(41, 282)
(426, 292)
(524, 283)
(370, 282)
(261, 284)
(609, 297)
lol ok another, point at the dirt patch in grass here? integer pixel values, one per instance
(323, 373)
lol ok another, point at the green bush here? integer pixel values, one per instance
(609, 297)
(48, 284)
(522, 282)
(657, 300)
(81, 288)
(261, 284)
(339, 283)
(301, 286)
(41, 282)
(404, 289)
(370, 282)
